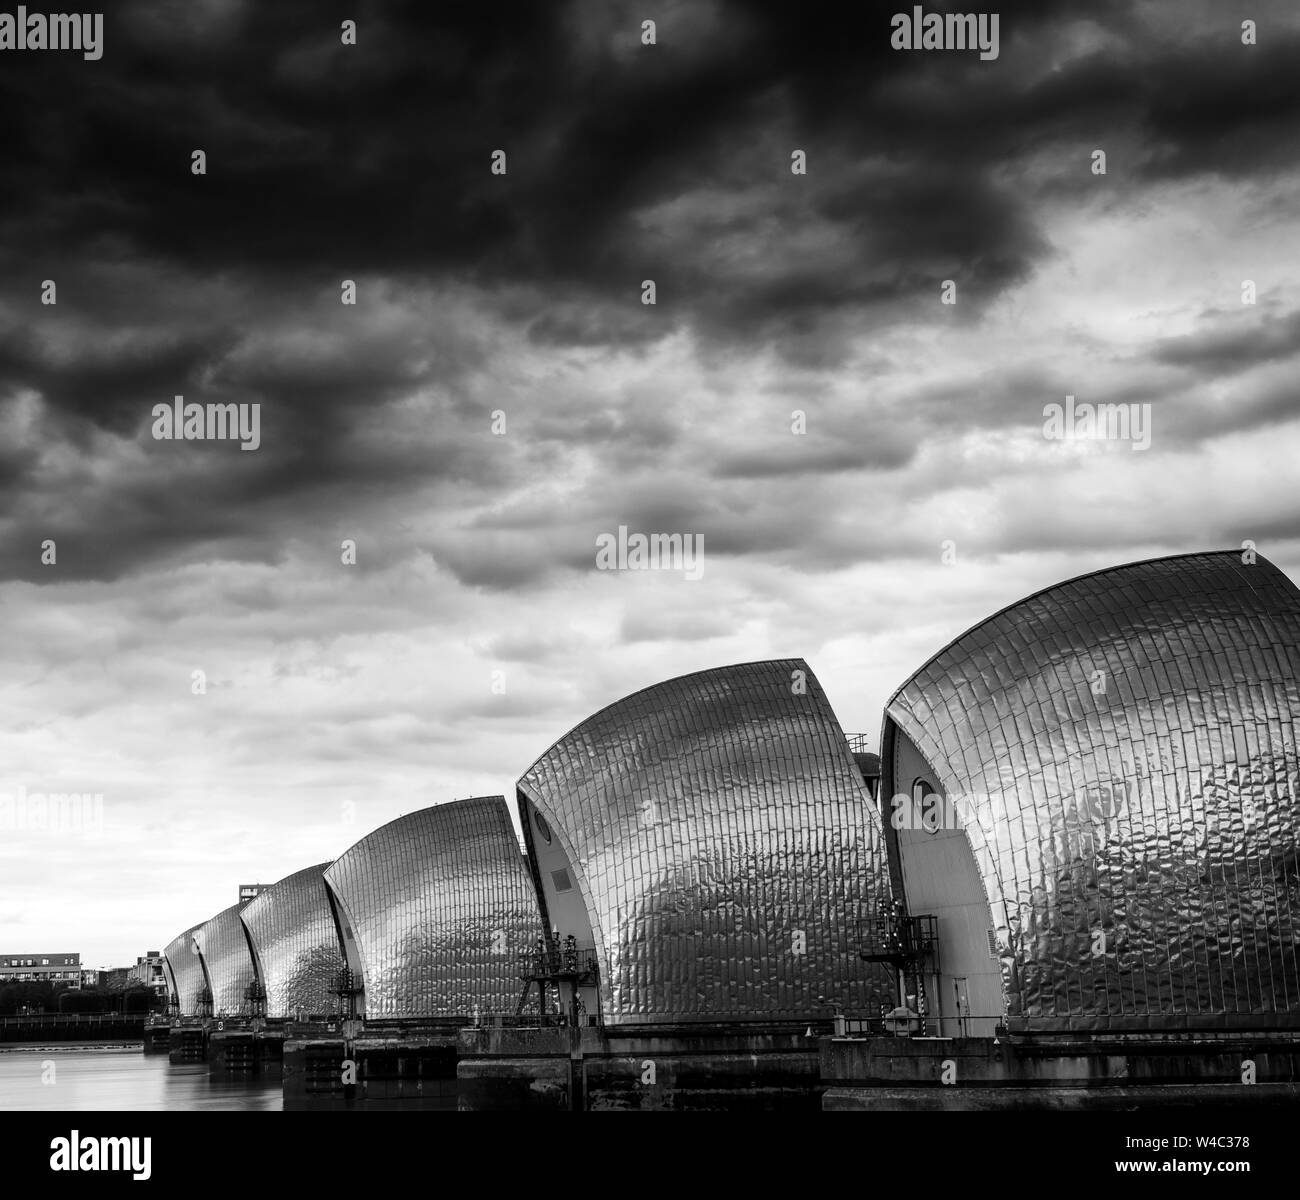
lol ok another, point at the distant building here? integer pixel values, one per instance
(63, 967)
(248, 890)
(148, 972)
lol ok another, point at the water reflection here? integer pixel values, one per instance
(122, 1078)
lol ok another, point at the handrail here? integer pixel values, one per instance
(70, 1018)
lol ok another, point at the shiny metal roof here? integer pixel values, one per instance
(185, 971)
(1127, 741)
(223, 946)
(295, 944)
(724, 845)
(441, 905)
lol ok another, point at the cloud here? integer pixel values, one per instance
(499, 395)
(1247, 342)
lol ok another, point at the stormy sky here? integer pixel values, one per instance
(339, 696)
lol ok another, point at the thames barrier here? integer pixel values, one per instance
(1067, 879)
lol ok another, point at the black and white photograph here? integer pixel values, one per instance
(728, 557)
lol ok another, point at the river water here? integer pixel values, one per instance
(115, 1078)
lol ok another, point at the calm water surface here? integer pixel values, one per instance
(114, 1078)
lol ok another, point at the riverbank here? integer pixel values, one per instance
(55, 1047)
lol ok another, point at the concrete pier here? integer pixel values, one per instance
(313, 1071)
(187, 1044)
(418, 1068)
(1057, 1073)
(232, 1053)
(505, 1068)
(595, 1069)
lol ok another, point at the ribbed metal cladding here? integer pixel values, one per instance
(295, 944)
(725, 847)
(224, 948)
(441, 905)
(185, 972)
(1138, 844)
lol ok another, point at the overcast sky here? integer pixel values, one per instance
(339, 696)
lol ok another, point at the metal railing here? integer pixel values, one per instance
(892, 935)
(8, 1022)
(555, 962)
(859, 1026)
(947, 1025)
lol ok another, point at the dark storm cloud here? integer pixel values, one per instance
(588, 323)
(1229, 343)
(1233, 374)
(1189, 417)
(371, 163)
(1178, 105)
(326, 160)
(105, 378)
(189, 501)
(1228, 109)
(377, 155)
(812, 457)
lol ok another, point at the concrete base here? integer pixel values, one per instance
(236, 1053)
(187, 1044)
(737, 1069)
(416, 1070)
(512, 1069)
(313, 1070)
(1073, 1099)
(603, 1069)
(157, 1039)
(1075, 1073)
